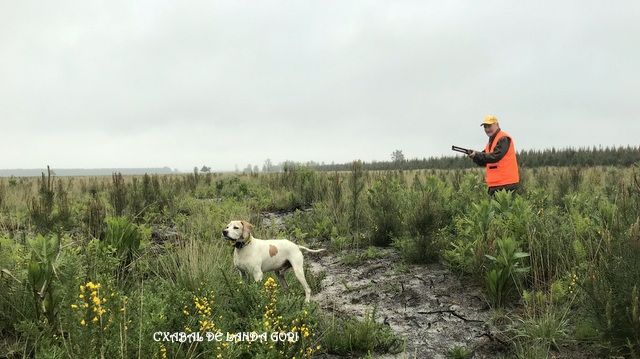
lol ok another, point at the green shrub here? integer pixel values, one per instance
(16, 296)
(118, 194)
(505, 271)
(41, 208)
(427, 215)
(356, 184)
(305, 184)
(459, 352)
(126, 238)
(41, 274)
(63, 216)
(94, 216)
(352, 336)
(386, 198)
(470, 238)
(613, 289)
(543, 325)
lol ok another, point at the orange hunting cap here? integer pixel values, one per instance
(489, 120)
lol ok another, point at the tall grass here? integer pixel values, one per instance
(578, 225)
(194, 263)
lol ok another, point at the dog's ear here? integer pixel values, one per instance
(247, 228)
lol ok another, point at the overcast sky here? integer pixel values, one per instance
(223, 83)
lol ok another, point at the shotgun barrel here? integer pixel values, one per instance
(466, 151)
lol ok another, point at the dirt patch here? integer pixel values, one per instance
(427, 305)
(276, 220)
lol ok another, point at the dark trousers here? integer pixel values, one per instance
(509, 188)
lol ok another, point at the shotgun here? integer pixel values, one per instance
(466, 151)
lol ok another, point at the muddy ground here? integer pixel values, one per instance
(427, 305)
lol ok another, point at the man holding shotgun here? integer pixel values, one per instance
(499, 158)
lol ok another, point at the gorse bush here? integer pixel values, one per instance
(305, 185)
(64, 206)
(98, 324)
(356, 184)
(612, 286)
(336, 203)
(118, 194)
(41, 208)
(426, 215)
(94, 217)
(386, 198)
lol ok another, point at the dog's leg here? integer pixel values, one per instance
(299, 272)
(244, 276)
(257, 274)
(281, 279)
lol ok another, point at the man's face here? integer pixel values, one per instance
(490, 130)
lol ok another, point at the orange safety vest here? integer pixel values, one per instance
(505, 171)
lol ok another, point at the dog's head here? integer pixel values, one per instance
(237, 230)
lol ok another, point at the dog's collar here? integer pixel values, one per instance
(240, 245)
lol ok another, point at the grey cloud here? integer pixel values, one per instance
(200, 82)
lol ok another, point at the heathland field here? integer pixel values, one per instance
(420, 263)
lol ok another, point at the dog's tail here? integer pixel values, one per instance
(311, 250)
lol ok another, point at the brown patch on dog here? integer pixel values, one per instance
(272, 250)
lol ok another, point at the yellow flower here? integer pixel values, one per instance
(73, 306)
(82, 322)
(95, 319)
(81, 296)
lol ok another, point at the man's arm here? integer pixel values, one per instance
(482, 158)
(478, 158)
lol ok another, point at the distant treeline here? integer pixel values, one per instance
(594, 156)
(31, 172)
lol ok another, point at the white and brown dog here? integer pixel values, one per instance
(254, 256)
